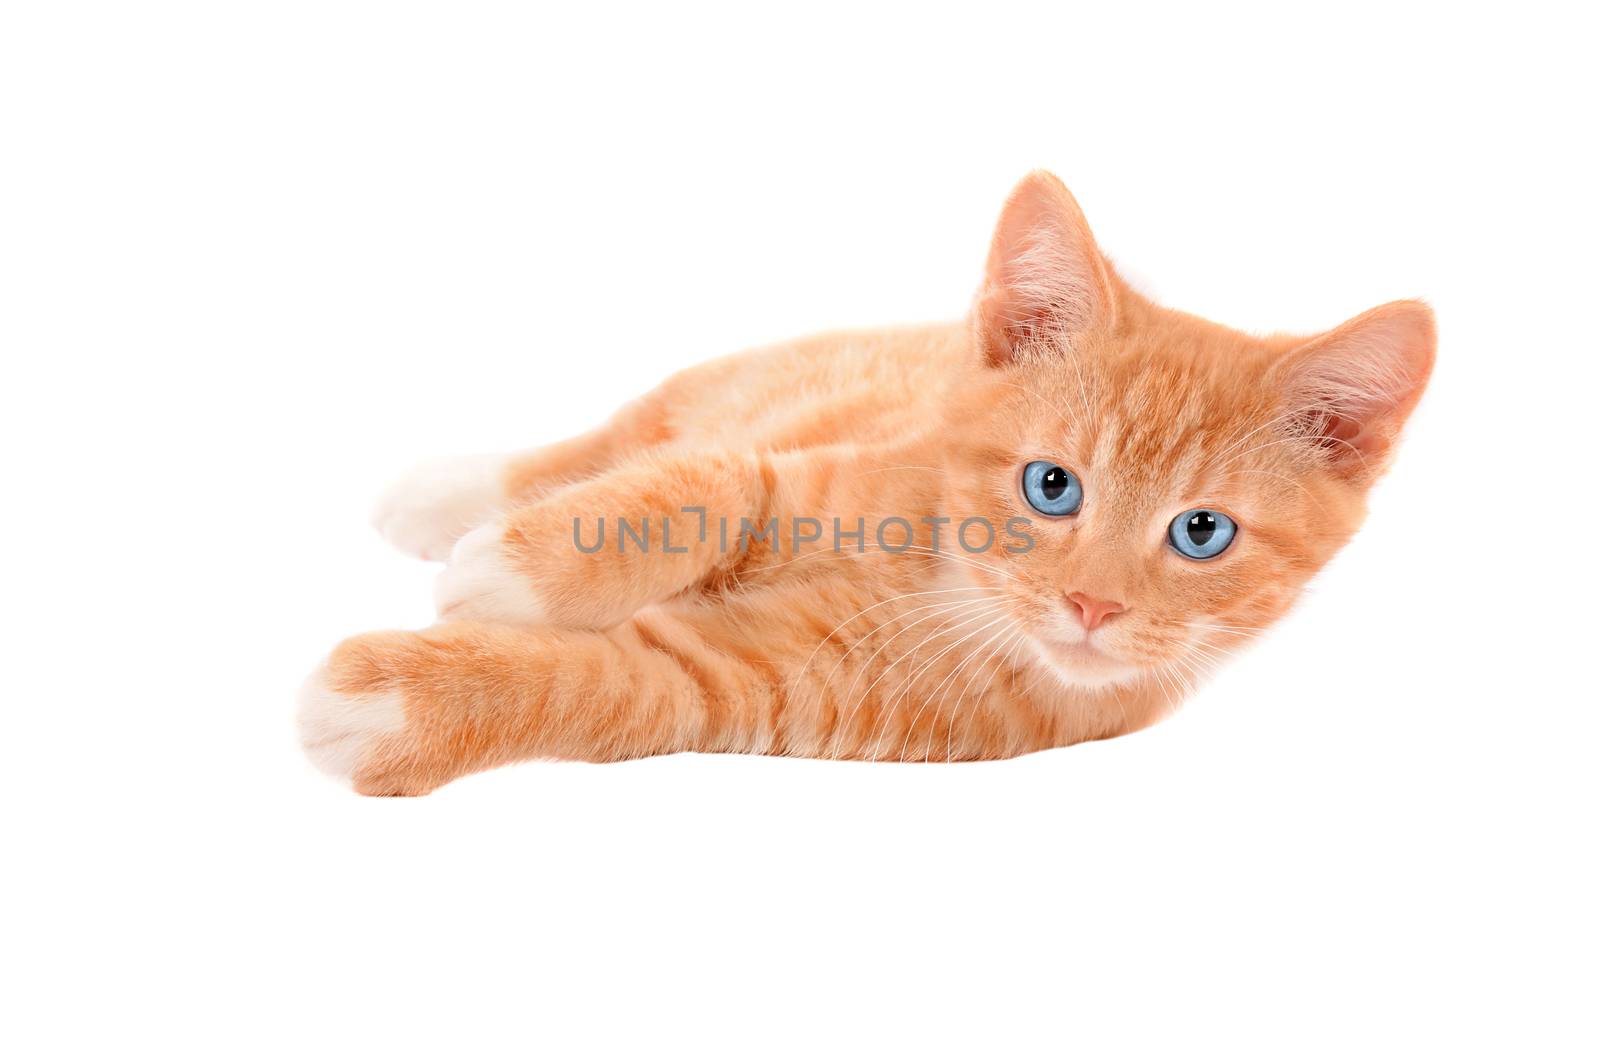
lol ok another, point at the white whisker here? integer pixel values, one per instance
(943, 607)
(888, 710)
(881, 603)
(947, 684)
(839, 734)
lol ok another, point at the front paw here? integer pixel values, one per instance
(345, 728)
(486, 580)
(432, 506)
(357, 722)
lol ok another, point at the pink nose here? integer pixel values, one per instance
(1094, 611)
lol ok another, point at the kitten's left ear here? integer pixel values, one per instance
(1045, 278)
(1353, 389)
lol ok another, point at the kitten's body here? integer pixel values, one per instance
(846, 387)
(935, 652)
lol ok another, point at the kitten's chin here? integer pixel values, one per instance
(1083, 666)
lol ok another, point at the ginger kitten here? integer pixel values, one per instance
(944, 543)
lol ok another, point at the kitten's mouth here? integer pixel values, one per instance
(1084, 663)
(1082, 646)
(1077, 650)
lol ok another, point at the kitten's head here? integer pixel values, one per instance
(1182, 480)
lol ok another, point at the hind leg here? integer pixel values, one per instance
(436, 504)
(563, 560)
(429, 508)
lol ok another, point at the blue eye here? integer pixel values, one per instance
(1201, 533)
(1052, 490)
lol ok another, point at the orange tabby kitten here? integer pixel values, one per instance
(950, 542)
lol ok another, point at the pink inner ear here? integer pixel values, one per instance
(1337, 429)
(1340, 435)
(1360, 381)
(1346, 428)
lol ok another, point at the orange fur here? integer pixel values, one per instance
(918, 655)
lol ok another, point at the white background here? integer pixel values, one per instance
(255, 259)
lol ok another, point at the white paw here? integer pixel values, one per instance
(429, 509)
(479, 583)
(338, 730)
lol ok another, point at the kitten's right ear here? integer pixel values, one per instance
(1045, 278)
